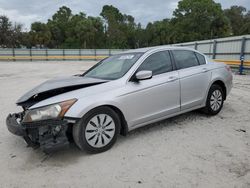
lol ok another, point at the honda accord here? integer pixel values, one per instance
(120, 93)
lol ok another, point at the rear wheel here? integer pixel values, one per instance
(214, 101)
(97, 130)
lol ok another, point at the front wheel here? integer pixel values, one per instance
(97, 131)
(214, 101)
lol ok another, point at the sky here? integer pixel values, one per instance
(27, 11)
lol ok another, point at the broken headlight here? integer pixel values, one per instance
(53, 111)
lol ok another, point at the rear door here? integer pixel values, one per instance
(194, 77)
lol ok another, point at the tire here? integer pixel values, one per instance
(214, 101)
(97, 131)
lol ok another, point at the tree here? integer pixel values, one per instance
(10, 34)
(239, 19)
(158, 33)
(113, 18)
(236, 16)
(59, 26)
(75, 31)
(128, 26)
(198, 20)
(5, 30)
(245, 29)
(192, 20)
(121, 28)
(26, 39)
(40, 34)
(97, 29)
(140, 37)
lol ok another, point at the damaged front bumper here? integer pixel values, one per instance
(49, 135)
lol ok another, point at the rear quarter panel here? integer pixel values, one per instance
(219, 72)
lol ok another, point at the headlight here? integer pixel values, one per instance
(53, 111)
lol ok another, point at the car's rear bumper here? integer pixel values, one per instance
(229, 83)
(50, 135)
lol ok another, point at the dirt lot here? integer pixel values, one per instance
(191, 150)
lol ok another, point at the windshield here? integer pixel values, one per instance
(113, 67)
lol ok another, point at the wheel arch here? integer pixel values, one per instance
(219, 82)
(124, 125)
(118, 111)
(223, 87)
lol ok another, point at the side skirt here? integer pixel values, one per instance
(130, 128)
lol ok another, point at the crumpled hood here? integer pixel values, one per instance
(57, 86)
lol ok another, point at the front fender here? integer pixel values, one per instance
(82, 106)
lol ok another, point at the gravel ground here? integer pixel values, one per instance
(191, 150)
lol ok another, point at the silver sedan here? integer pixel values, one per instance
(119, 94)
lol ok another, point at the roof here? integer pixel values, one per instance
(166, 47)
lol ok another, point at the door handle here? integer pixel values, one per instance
(204, 70)
(172, 78)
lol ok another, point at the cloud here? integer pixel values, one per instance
(16, 17)
(144, 11)
(227, 3)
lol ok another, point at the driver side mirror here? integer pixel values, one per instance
(143, 75)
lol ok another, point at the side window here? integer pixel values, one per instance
(185, 58)
(201, 58)
(158, 63)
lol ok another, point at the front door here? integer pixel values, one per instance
(156, 97)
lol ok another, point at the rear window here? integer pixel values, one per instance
(201, 58)
(185, 59)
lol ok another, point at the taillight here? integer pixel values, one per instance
(228, 68)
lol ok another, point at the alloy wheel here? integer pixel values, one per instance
(100, 130)
(216, 100)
